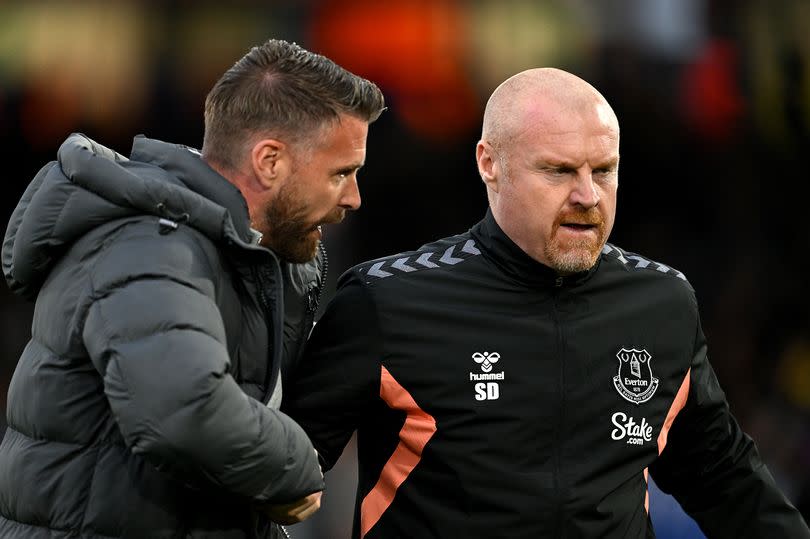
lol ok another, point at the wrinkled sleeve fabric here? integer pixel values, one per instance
(713, 469)
(338, 378)
(154, 332)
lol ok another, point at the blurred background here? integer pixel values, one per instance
(713, 99)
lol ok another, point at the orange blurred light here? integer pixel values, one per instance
(413, 49)
(711, 95)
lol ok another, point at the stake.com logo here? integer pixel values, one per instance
(626, 427)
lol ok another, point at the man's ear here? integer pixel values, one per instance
(488, 164)
(271, 161)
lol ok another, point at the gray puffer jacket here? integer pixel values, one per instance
(145, 404)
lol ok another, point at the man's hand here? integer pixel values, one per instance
(295, 512)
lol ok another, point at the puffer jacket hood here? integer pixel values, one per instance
(152, 379)
(90, 184)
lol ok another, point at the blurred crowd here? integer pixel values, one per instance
(713, 98)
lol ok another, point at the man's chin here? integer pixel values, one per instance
(573, 260)
(300, 252)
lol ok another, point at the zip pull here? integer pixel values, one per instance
(168, 222)
(315, 295)
(558, 282)
(167, 225)
(312, 300)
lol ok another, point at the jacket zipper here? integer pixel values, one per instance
(561, 416)
(285, 532)
(315, 295)
(274, 317)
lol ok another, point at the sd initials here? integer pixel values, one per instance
(486, 391)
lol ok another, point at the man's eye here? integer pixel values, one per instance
(344, 175)
(604, 172)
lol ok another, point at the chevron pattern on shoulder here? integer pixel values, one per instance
(639, 262)
(421, 260)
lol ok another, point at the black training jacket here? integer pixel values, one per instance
(145, 404)
(494, 399)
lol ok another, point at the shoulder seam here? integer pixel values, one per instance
(413, 261)
(636, 262)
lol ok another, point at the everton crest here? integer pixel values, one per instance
(635, 381)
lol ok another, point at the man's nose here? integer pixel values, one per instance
(584, 192)
(350, 198)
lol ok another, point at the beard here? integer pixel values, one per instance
(288, 231)
(574, 255)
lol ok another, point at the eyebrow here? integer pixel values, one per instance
(567, 165)
(348, 168)
(612, 162)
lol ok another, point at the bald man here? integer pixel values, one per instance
(523, 379)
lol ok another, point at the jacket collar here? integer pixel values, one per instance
(185, 164)
(499, 248)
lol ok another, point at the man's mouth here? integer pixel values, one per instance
(579, 226)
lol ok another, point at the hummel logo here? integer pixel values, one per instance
(486, 390)
(486, 359)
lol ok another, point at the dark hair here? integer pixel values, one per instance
(280, 88)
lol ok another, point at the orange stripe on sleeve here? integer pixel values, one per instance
(418, 428)
(647, 494)
(674, 409)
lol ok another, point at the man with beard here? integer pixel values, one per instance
(523, 378)
(146, 403)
